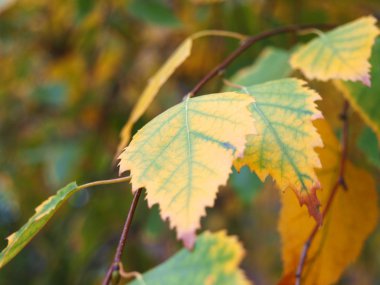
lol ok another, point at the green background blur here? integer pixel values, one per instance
(70, 73)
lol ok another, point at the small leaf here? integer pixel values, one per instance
(352, 217)
(272, 64)
(366, 100)
(342, 53)
(184, 154)
(18, 240)
(284, 147)
(214, 260)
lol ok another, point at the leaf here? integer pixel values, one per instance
(351, 218)
(368, 143)
(272, 64)
(214, 260)
(18, 240)
(157, 80)
(342, 53)
(155, 12)
(184, 154)
(284, 147)
(366, 100)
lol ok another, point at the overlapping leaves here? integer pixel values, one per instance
(184, 154)
(351, 218)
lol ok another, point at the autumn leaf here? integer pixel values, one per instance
(184, 154)
(214, 261)
(18, 240)
(271, 64)
(342, 53)
(351, 218)
(161, 76)
(284, 147)
(366, 100)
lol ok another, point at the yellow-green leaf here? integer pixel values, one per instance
(342, 53)
(352, 217)
(272, 64)
(161, 76)
(18, 240)
(184, 154)
(366, 100)
(214, 261)
(284, 147)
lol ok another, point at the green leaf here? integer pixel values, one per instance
(214, 260)
(368, 143)
(272, 64)
(18, 240)
(154, 12)
(284, 147)
(183, 155)
(246, 184)
(366, 100)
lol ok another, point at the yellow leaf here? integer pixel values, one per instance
(184, 154)
(162, 75)
(284, 147)
(342, 53)
(351, 218)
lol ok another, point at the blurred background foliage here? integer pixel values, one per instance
(70, 73)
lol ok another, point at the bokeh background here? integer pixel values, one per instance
(70, 73)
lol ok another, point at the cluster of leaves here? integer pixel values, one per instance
(183, 155)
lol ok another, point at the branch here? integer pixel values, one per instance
(338, 184)
(248, 43)
(113, 271)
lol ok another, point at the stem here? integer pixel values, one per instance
(105, 182)
(123, 239)
(339, 183)
(248, 43)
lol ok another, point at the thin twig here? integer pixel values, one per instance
(123, 239)
(105, 182)
(338, 184)
(248, 43)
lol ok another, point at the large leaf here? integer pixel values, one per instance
(184, 154)
(18, 240)
(351, 218)
(158, 79)
(284, 146)
(272, 64)
(366, 100)
(214, 260)
(342, 53)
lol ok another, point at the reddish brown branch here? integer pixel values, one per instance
(339, 183)
(248, 43)
(114, 268)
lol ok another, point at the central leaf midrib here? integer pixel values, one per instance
(189, 151)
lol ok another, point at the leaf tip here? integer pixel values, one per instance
(188, 239)
(366, 80)
(312, 203)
